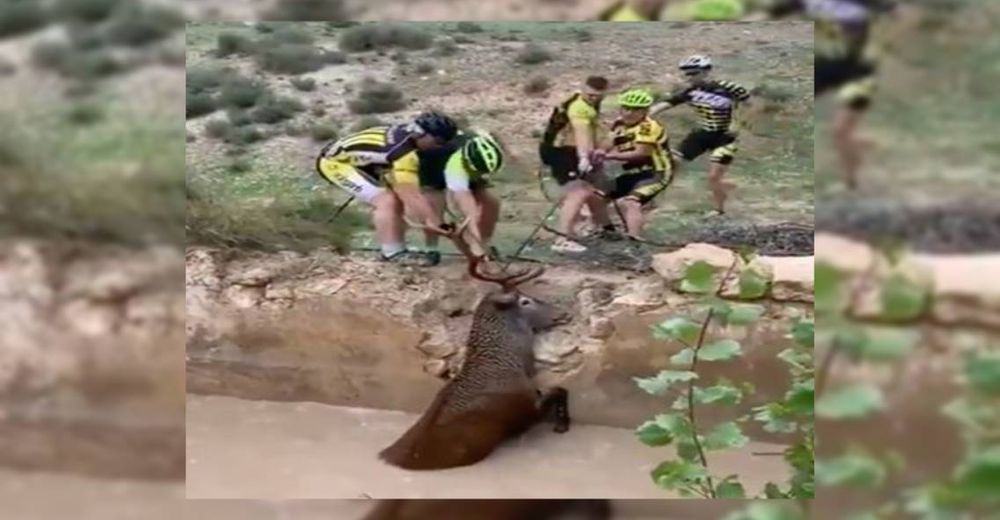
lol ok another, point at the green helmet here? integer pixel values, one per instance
(483, 153)
(635, 98)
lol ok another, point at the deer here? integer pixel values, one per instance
(493, 397)
(480, 509)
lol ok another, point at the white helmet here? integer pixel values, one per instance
(695, 63)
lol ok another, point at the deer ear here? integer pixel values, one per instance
(504, 300)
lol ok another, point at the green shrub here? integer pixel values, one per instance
(424, 68)
(245, 135)
(140, 24)
(365, 123)
(241, 92)
(318, 110)
(533, 54)
(239, 165)
(239, 117)
(51, 54)
(308, 10)
(446, 47)
(173, 55)
(462, 39)
(369, 37)
(468, 27)
(774, 91)
(290, 59)
(84, 114)
(85, 10)
(85, 37)
(219, 129)
(304, 84)
(289, 34)
(230, 42)
(267, 27)
(334, 57)
(86, 65)
(295, 130)
(537, 85)
(323, 132)
(582, 35)
(376, 97)
(274, 109)
(206, 78)
(199, 104)
(401, 57)
(20, 16)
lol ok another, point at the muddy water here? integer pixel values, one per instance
(308, 450)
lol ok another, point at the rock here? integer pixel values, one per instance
(201, 269)
(600, 327)
(759, 266)
(672, 266)
(254, 277)
(592, 299)
(642, 294)
(243, 297)
(437, 343)
(280, 291)
(843, 253)
(436, 367)
(551, 348)
(321, 287)
(88, 319)
(967, 289)
(792, 277)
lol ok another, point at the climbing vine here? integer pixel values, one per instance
(689, 474)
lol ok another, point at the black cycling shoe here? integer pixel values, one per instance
(431, 258)
(405, 257)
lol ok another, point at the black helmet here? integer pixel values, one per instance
(437, 125)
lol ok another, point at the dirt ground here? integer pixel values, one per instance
(773, 171)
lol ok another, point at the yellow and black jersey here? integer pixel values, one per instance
(714, 100)
(576, 109)
(375, 150)
(626, 137)
(843, 27)
(623, 12)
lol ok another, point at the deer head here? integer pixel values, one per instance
(537, 315)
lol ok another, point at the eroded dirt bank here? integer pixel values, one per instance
(91, 372)
(351, 331)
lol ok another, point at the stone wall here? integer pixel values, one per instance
(91, 369)
(349, 331)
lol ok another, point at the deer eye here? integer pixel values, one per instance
(524, 302)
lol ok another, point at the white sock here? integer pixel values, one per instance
(391, 250)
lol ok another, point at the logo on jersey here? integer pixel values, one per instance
(710, 99)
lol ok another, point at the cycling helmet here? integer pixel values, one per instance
(483, 153)
(437, 125)
(696, 63)
(635, 98)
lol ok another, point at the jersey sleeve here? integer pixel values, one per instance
(580, 112)
(455, 175)
(649, 132)
(677, 98)
(406, 169)
(736, 90)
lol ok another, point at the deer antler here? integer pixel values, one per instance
(508, 282)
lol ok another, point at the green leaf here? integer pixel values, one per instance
(852, 469)
(681, 329)
(676, 473)
(721, 350)
(903, 300)
(687, 450)
(725, 436)
(681, 403)
(683, 358)
(828, 289)
(720, 393)
(775, 417)
(850, 402)
(772, 491)
(745, 314)
(979, 474)
(660, 383)
(882, 344)
(652, 434)
(801, 361)
(800, 400)
(764, 510)
(730, 489)
(753, 285)
(804, 333)
(983, 372)
(698, 278)
(677, 424)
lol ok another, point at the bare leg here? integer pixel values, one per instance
(850, 148)
(634, 219)
(438, 203)
(489, 213)
(387, 217)
(598, 210)
(572, 203)
(720, 188)
(554, 404)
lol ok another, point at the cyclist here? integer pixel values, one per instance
(846, 62)
(364, 163)
(462, 169)
(716, 102)
(570, 138)
(640, 143)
